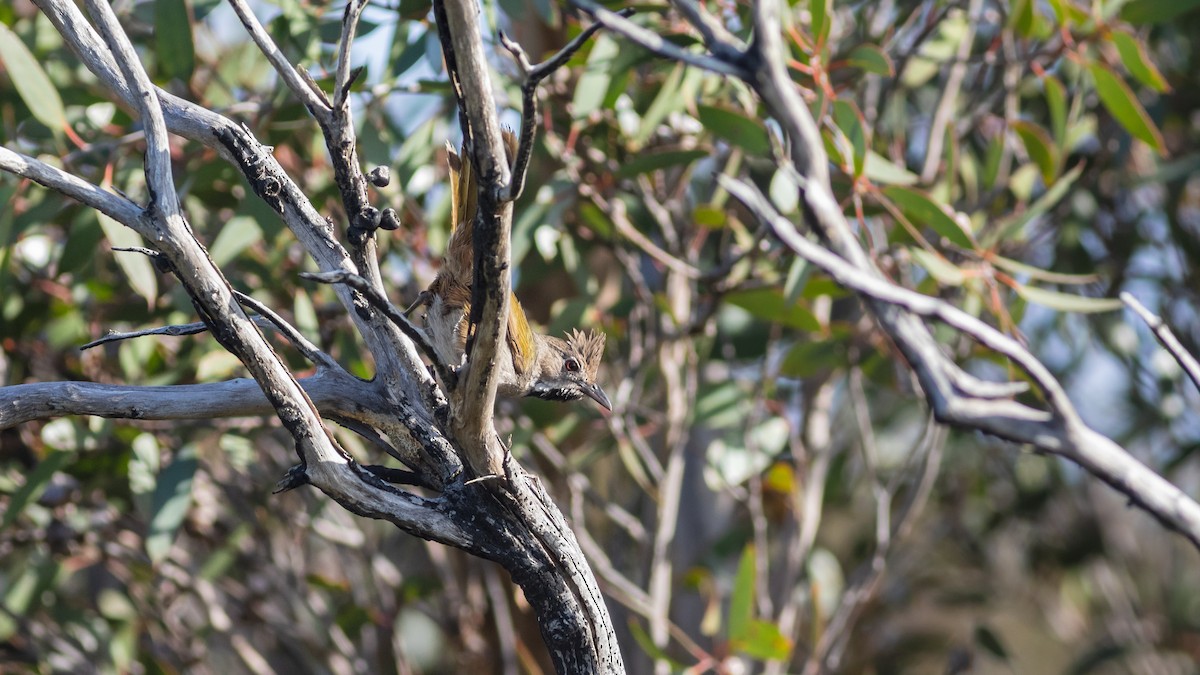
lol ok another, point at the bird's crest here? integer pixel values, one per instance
(590, 348)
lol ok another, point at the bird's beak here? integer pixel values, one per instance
(594, 392)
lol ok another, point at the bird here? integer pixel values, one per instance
(533, 364)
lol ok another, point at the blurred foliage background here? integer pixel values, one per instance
(770, 481)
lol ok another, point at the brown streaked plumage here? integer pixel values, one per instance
(537, 365)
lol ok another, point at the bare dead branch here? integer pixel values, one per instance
(112, 205)
(1164, 335)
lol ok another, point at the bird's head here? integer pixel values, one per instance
(567, 369)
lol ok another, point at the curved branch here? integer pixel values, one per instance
(1059, 432)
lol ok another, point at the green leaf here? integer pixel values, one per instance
(1040, 147)
(784, 192)
(665, 102)
(763, 640)
(137, 267)
(820, 11)
(923, 209)
(737, 129)
(1056, 101)
(1123, 105)
(850, 121)
(741, 599)
(235, 236)
(31, 81)
(1067, 13)
(1023, 17)
(1142, 12)
(1137, 61)
(883, 171)
(1065, 302)
(1040, 274)
(35, 485)
(173, 39)
(1039, 207)
(944, 271)
(872, 59)
(647, 644)
(592, 87)
(809, 358)
(653, 161)
(768, 304)
(172, 497)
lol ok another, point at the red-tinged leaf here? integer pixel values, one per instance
(924, 210)
(1137, 61)
(1066, 302)
(872, 59)
(1123, 105)
(1040, 147)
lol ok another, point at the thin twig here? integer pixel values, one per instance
(533, 77)
(396, 315)
(1165, 337)
(345, 77)
(310, 95)
(177, 330)
(656, 44)
(302, 344)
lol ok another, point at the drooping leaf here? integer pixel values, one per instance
(820, 11)
(593, 85)
(1143, 12)
(741, 598)
(1066, 302)
(31, 81)
(172, 497)
(1137, 61)
(924, 210)
(1039, 207)
(653, 161)
(238, 233)
(173, 39)
(883, 171)
(872, 59)
(136, 266)
(1122, 104)
(1056, 102)
(1040, 147)
(850, 121)
(768, 304)
(938, 267)
(35, 484)
(736, 128)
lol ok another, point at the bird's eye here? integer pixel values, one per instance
(571, 365)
